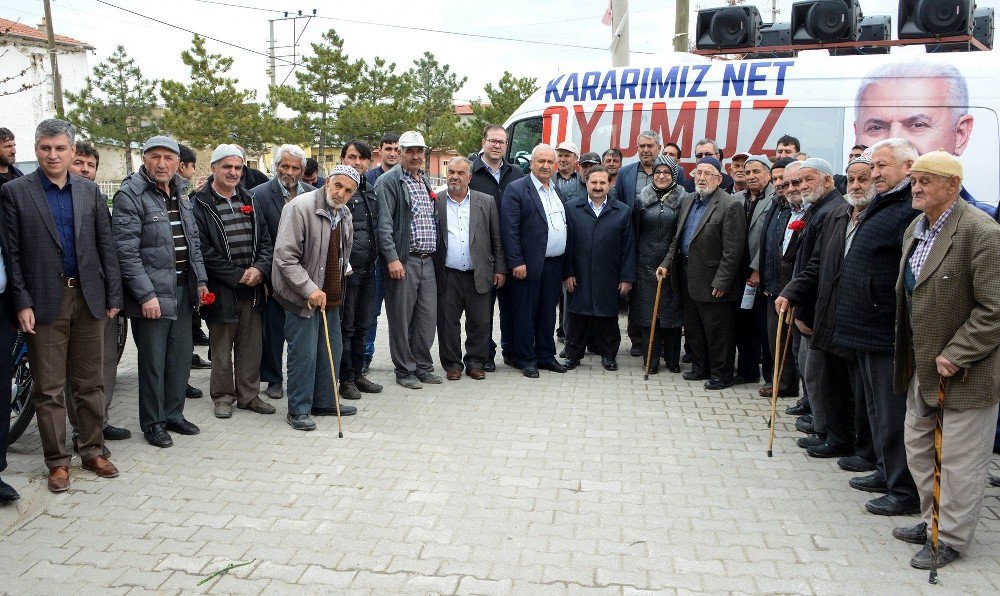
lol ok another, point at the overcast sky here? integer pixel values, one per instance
(156, 47)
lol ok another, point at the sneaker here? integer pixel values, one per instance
(409, 381)
(223, 410)
(200, 338)
(914, 535)
(924, 558)
(303, 422)
(349, 391)
(274, 391)
(366, 386)
(428, 377)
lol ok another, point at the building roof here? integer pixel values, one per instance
(17, 30)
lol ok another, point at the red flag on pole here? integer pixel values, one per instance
(606, 19)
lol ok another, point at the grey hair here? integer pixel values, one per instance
(902, 149)
(650, 134)
(957, 98)
(293, 150)
(541, 147)
(53, 127)
(794, 165)
(715, 146)
(461, 159)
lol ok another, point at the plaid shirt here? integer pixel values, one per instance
(423, 226)
(925, 238)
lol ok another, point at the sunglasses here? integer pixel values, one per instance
(795, 182)
(784, 185)
(701, 155)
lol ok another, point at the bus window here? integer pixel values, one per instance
(524, 135)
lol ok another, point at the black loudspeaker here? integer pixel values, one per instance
(827, 21)
(773, 35)
(982, 30)
(727, 27)
(928, 18)
(876, 28)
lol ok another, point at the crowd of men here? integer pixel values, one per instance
(854, 261)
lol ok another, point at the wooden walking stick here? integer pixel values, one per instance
(652, 327)
(779, 367)
(936, 504)
(333, 373)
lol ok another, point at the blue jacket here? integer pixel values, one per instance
(524, 227)
(625, 183)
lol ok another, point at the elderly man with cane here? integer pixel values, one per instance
(946, 359)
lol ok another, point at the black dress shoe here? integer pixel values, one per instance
(635, 351)
(914, 535)
(490, 366)
(199, 363)
(872, 483)
(892, 505)
(693, 376)
(553, 365)
(571, 364)
(609, 364)
(810, 441)
(182, 427)
(115, 433)
(717, 384)
(856, 463)
(825, 451)
(797, 409)
(530, 371)
(804, 427)
(193, 392)
(808, 418)
(924, 558)
(200, 338)
(345, 410)
(562, 353)
(511, 362)
(7, 493)
(687, 358)
(674, 369)
(741, 380)
(368, 363)
(157, 436)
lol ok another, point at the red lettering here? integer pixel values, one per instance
(712, 120)
(587, 126)
(547, 115)
(732, 130)
(682, 132)
(776, 106)
(616, 129)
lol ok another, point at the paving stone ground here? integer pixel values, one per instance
(585, 483)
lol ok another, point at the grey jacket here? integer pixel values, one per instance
(758, 222)
(394, 214)
(145, 243)
(301, 248)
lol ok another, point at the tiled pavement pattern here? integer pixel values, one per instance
(585, 483)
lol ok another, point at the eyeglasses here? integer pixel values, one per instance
(795, 182)
(496, 141)
(705, 154)
(784, 185)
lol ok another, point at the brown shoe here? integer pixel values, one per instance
(454, 375)
(101, 466)
(258, 405)
(476, 373)
(59, 479)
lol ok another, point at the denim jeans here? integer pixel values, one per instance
(309, 384)
(376, 311)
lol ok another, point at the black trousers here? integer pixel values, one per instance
(534, 305)
(789, 385)
(355, 317)
(833, 403)
(886, 413)
(274, 342)
(7, 339)
(457, 295)
(600, 333)
(710, 327)
(864, 445)
(753, 350)
(666, 343)
(505, 301)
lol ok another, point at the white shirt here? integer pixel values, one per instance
(555, 216)
(597, 210)
(796, 216)
(459, 255)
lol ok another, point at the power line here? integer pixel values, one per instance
(426, 29)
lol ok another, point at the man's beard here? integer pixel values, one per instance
(864, 200)
(812, 196)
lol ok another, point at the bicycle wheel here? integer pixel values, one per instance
(22, 409)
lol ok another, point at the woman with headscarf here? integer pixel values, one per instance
(655, 216)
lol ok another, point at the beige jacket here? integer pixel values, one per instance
(301, 247)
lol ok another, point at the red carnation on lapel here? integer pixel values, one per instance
(433, 195)
(797, 225)
(246, 209)
(207, 299)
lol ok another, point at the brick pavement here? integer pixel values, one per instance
(585, 483)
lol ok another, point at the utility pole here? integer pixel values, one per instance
(774, 11)
(56, 79)
(270, 53)
(619, 35)
(681, 21)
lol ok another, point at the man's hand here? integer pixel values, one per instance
(520, 272)
(570, 284)
(498, 279)
(151, 308)
(945, 367)
(251, 277)
(718, 293)
(803, 328)
(112, 312)
(202, 290)
(200, 182)
(396, 270)
(318, 298)
(624, 287)
(662, 273)
(781, 305)
(26, 320)
(754, 280)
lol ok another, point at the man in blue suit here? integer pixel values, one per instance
(639, 174)
(533, 232)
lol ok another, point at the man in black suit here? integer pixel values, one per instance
(289, 165)
(66, 280)
(468, 264)
(533, 230)
(705, 265)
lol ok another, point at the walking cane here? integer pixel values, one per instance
(333, 373)
(936, 505)
(779, 368)
(652, 327)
